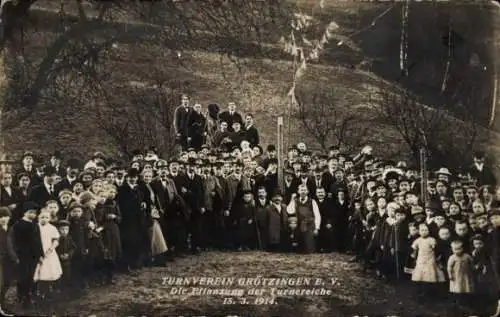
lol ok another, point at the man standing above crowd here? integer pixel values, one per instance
(231, 116)
(182, 117)
(252, 134)
(197, 128)
(480, 172)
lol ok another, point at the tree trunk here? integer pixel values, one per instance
(4, 85)
(493, 145)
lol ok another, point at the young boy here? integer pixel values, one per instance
(65, 250)
(246, 222)
(78, 232)
(65, 199)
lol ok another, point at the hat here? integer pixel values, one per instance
(289, 172)
(379, 184)
(85, 197)
(191, 161)
(304, 169)
(65, 192)
(479, 154)
(277, 192)
(132, 172)
(30, 206)
(161, 163)
(49, 171)
(99, 155)
(57, 155)
(247, 191)
(477, 237)
(271, 148)
(416, 210)
(443, 171)
(494, 212)
(190, 150)
(4, 212)
(28, 153)
(73, 163)
(75, 205)
(432, 205)
(136, 152)
(62, 223)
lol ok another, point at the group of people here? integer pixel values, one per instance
(65, 226)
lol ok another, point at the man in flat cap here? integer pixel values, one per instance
(47, 190)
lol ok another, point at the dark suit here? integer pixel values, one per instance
(28, 248)
(484, 177)
(65, 183)
(40, 195)
(134, 227)
(182, 117)
(196, 127)
(194, 198)
(230, 118)
(16, 197)
(237, 138)
(252, 135)
(8, 260)
(277, 228)
(174, 217)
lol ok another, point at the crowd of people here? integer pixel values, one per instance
(65, 226)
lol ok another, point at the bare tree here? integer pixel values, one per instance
(326, 119)
(447, 138)
(146, 120)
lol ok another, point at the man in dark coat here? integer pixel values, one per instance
(134, 224)
(231, 116)
(27, 245)
(11, 196)
(341, 219)
(45, 191)
(237, 136)
(197, 128)
(326, 207)
(27, 165)
(55, 162)
(261, 204)
(191, 189)
(252, 134)
(8, 258)
(182, 115)
(174, 215)
(480, 172)
(71, 177)
(277, 223)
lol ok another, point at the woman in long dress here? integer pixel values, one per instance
(158, 244)
(49, 268)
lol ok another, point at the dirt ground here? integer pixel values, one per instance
(352, 291)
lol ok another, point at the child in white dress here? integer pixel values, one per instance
(427, 273)
(460, 271)
(49, 269)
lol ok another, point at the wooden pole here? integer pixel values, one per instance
(280, 151)
(423, 175)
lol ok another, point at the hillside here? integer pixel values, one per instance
(259, 87)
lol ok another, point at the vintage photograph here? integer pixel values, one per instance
(249, 158)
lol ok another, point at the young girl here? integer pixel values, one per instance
(460, 272)
(49, 268)
(427, 272)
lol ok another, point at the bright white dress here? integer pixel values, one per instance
(426, 267)
(50, 268)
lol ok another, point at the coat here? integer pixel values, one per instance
(230, 118)
(277, 225)
(252, 135)
(134, 220)
(110, 234)
(181, 120)
(194, 195)
(40, 195)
